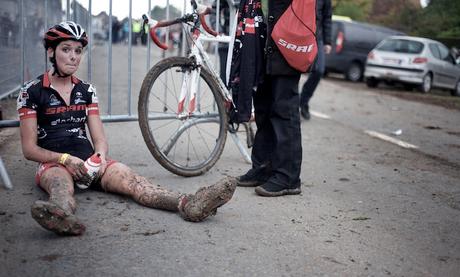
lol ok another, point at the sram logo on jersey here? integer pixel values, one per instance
(296, 48)
(71, 108)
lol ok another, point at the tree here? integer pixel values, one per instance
(397, 14)
(440, 19)
(159, 13)
(355, 9)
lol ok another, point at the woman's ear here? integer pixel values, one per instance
(50, 52)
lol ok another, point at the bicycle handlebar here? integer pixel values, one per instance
(210, 31)
(200, 10)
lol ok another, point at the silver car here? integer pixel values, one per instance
(414, 62)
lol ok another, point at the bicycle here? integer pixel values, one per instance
(183, 103)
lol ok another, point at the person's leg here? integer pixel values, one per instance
(223, 62)
(312, 82)
(58, 183)
(287, 149)
(57, 214)
(120, 179)
(263, 139)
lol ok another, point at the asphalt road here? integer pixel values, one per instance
(369, 206)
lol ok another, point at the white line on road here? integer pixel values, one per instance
(390, 139)
(320, 115)
(373, 133)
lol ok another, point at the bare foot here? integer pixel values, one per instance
(51, 217)
(196, 207)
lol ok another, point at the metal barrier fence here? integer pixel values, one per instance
(23, 23)
(22, 56)
(21, 28)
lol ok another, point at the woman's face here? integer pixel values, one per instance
(68, 55)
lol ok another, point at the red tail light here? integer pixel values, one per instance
(420, 60)
(370, 56)
(339, 42)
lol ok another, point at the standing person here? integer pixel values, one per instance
(277, 150)
(323, 38)
(136, 31)
(53, 111)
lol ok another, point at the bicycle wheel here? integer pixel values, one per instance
(187, 143)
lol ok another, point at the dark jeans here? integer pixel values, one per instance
(314, 77)
(223, 63)
(278, 141)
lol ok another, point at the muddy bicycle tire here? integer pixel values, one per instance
(184, 146)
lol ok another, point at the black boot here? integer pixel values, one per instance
(254, 177)
(305, 112)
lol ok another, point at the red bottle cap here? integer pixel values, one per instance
(96, 158)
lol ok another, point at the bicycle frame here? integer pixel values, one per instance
(199, 55)
(201, 58)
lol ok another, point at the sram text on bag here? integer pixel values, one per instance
(295, 34)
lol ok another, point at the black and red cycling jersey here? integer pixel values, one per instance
(61, 127)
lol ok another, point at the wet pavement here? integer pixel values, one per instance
(368, 207)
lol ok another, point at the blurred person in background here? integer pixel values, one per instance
(323, 38)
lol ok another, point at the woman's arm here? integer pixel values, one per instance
(33, 152)
(96, 130)
(30, 149)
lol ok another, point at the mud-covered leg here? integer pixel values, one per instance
(119, 178)
(59, 185)
(192, 207)
(57, 214)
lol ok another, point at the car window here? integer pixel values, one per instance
(335, 27)
(382, 33)
(443, 51)
(435, 51)
(450, 59)
(358, 33)
(401, 46)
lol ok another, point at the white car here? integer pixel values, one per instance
(414, 62)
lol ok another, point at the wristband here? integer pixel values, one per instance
(63, 158)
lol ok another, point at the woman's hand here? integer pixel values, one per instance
(103, 166)
(76, 168)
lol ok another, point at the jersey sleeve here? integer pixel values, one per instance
(26, 104)
(93, 104)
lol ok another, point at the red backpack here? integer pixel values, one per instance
(295, 34)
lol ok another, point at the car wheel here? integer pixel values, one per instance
(354, 72)
(456, 90)
(372, 82)
(425, 87)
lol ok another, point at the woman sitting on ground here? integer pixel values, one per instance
(53, 110)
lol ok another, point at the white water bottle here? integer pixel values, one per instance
(92, 166)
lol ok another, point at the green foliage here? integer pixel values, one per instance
(355, 9)
(440, 19)
(351, 10)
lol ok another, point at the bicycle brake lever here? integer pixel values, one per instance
(153, 25)
(147, 20)
(194, 5)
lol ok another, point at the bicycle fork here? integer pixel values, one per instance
(188, 93)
